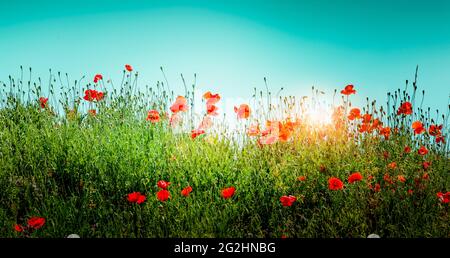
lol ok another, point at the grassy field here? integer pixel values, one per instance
(73, 170)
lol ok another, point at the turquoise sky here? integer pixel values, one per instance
(232, 45)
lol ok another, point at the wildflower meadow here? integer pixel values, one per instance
(100, 158)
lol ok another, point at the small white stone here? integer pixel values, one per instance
(373, 236)
(73, 236)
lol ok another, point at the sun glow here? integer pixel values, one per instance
(318, 115)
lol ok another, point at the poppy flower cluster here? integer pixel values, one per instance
(163, 194)
(368, 123)
(136, 197)
(443, 197)
(276, 131)
(211, 110)
(386, 132)
(33, 223)
(211, 101)
(93, 95)
(197, 132)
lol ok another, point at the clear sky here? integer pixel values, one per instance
(232, 45)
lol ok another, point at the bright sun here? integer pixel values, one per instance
(318, 115)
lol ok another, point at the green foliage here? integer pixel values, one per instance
(76, 171)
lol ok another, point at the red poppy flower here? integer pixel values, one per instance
(228, 192)
(410, 191)
(348, 90)
(335, 184)
(405, 108)
(376, 124)
(422, 151)
(163, 184)
(440, 139)
(426, 165)
(211, 99)
(377, 188)
(163, 195)
(426, 176)
(418, 127)
(153, 116)
(197, 132)
(92, 112)
(366, 118)
(407, 149)
(136, 197)
(186, 191)
(91, 95)
(355, 177)
(401, 178)
(212, 110)
(301, 178)
(387, 178)
(287, 200)
(36, 222)
(100, 95)
(128, 68)
(284, 133)
(444, 198)
(141, 199)
(43, 102)
(392, 165)
(98, 77)
(386, 132)
(364, 127)
(354, 114)
(385, 154)
(179, 105)
(18, 228)
(243, 112)
(435, 130)
(133, 197)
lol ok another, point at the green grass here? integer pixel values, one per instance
(76, 171)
